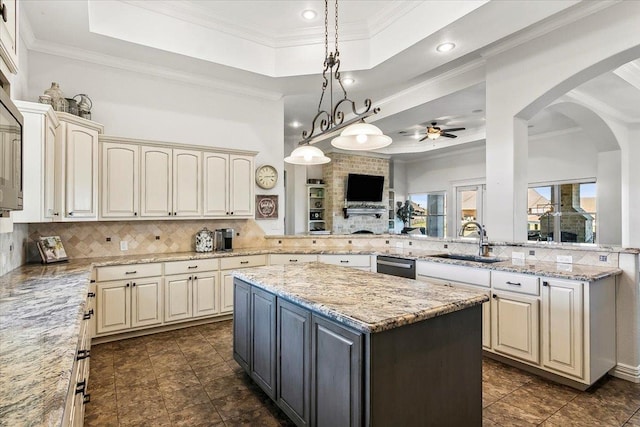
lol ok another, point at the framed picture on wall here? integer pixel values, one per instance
(266, 206)
(51, 249)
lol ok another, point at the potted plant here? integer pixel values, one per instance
(405, 213)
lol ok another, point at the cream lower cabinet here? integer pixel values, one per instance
(283, 259)
(227, 265)
(194, 293)
(77, 168)
(514, 323)
(361, 262)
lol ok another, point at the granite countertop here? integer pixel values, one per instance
(368, 302)
(41, 310)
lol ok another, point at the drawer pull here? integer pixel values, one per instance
(514, 283)
(293, 260)
(244, 262)
(131, 272)
(88, 315)
(91, 295)
(83, 354)
(81, 386)
(86, 399)
(192, 266)
(344, 261)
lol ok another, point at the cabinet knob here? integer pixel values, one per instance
(134, 283)
(174, 214)
(545, 283)
(127, 285)
(195, 277)
(231, 212)
(495, 296)
(135, 214)
(56, 214)
(169, 213)
(70, 213)
(190, 277)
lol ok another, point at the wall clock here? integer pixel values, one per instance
(266, 177)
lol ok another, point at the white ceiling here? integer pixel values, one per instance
(270, 50)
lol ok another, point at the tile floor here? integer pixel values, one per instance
(188, 378)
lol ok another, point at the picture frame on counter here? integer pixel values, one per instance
(266, 206)
(51, 249)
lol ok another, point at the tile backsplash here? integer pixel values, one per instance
(13, 248)
(97, 239)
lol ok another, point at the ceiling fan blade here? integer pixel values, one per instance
(423, 138)
(448, 135)
(452, 129)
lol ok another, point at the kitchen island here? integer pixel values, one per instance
(333, 346)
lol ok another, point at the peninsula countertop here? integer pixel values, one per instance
(368, 302)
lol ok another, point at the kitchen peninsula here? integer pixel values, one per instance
(336, 346)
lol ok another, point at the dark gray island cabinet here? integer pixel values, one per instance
(334, 347)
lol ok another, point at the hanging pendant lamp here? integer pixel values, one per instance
(307, 155)
(357, 135)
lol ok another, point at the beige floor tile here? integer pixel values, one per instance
(237, 404)
(157, 347)
(177, 381)
(258, 417)
(176, 400)
(133, 394)
(224, 386)
(203, 414)
(541, 406)
(634, 421)
(571, 415)
(101, 420)
(609, 411)
(135, 413)
(207, 358)
(508, 415)
(206, 374)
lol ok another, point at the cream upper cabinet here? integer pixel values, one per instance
(241, 186)
(39, 138)
(228, 185)
(9, 36)
(119, 180)
(77, 168)
(156, 167)
(216, 184)
(187, 183)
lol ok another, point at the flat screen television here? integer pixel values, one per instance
(364, 188)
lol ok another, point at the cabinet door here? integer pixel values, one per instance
(216, 184)
(119, 180)
(242, 323)
(155, 182)
(146, 302)
(187, 183)
(241, 186)
(294, 361)
(177, 298)
(9, 35)
(336, 372)
(263, 348)
(515, 326)
(205, 294)
(81, 172)
(562, 335)
(226, 291)
(113, 306)
(49, 189)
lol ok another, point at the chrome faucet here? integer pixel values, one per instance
(483, 247)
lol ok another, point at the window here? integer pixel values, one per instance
(470, 206)
(429, 213)
(562, 212)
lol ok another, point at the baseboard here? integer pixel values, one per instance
(626, 372)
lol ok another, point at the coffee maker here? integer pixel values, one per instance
(224, 239)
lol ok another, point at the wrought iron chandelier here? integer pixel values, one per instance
(357, 135)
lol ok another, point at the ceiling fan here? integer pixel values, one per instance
(434, 132)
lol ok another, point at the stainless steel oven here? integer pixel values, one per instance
(10, 155)
(396, 266)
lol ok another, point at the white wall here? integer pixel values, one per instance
(143, 106)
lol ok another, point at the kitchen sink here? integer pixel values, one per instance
(473, 258)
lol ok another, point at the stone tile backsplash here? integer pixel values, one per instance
(13, 248)
(97, 239)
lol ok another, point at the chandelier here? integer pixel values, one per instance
(356, 134)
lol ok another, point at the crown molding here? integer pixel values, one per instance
(387, 16)
(565, 17)
(139, 67)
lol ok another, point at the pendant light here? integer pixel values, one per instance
(357, 135)
(307, 155)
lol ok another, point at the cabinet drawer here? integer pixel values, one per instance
(346, 260)
(280, 259)
(123, 272)
(191, 266)
(456, 273)
(243, 261)
(514, 282)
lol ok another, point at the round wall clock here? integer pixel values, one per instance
(266, 177)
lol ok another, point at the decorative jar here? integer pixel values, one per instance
(204, 240)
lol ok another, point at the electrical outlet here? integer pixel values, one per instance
(157, 237)
(124, 245)
(446, 246)
(532, 253)
(564, 259)
(603, 258)
(517, 255)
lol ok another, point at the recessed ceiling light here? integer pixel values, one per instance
(348, 81)
(309, 14)
(295, 124)
(445, 47)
